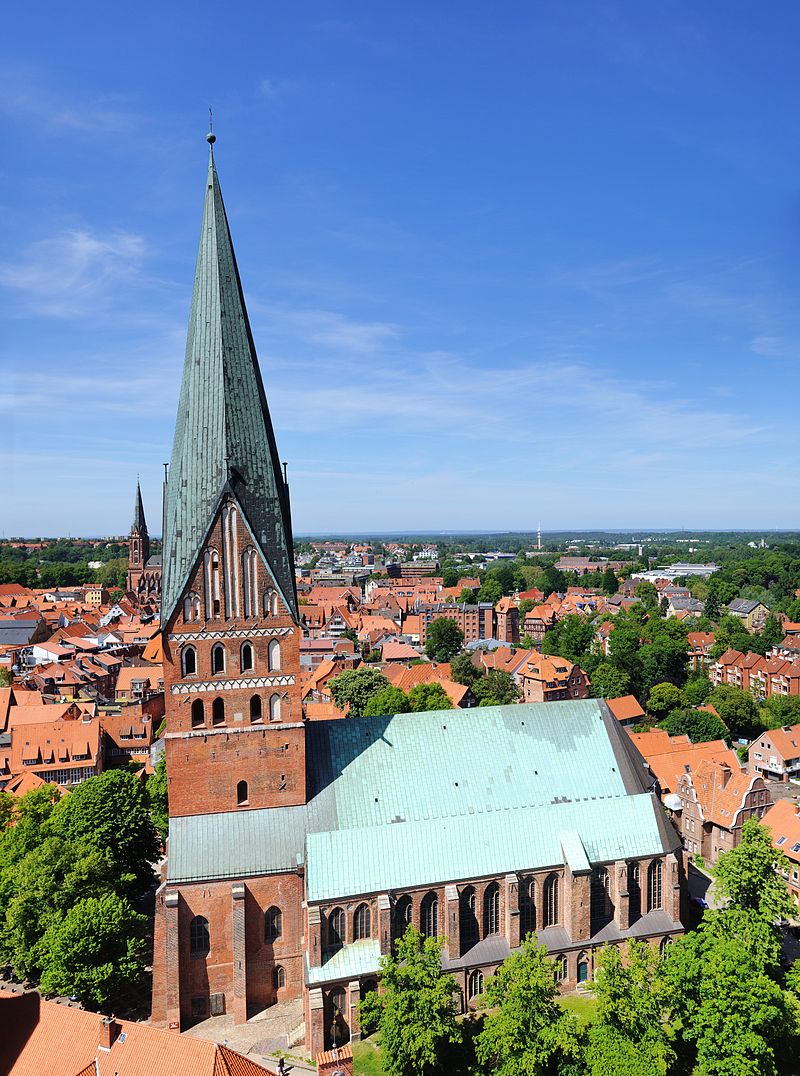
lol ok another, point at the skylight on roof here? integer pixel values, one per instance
(796, 847)
(781, 840)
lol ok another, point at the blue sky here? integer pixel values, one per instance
(504, 262)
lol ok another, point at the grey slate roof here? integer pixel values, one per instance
(224, 440)
(742, 605)
(417, 799)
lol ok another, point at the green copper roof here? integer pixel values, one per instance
(224, 440)
(350, 862)
(442, 796)
(139, 523)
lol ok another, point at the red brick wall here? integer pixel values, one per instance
(206, 763)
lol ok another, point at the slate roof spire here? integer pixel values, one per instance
(139, 522)
(224, 441)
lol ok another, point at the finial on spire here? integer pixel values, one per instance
(211, 138)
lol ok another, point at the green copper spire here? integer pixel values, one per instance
(139, 523)
(224, 442)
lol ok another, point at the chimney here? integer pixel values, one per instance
(725, 773)
(109, 1029)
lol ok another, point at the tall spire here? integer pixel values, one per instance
(139, 522)
(224, 441)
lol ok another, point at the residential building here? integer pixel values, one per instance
(762, 677)
(751, 613)
(775, 754)
(44, 1038)
(507, 621)
(627, 710)
(783, 821)
(475, 621)
(701, 643)
(716, 799)
(548, 679)
(669, 757)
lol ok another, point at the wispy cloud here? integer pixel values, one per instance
(22, 94)
(73, 273)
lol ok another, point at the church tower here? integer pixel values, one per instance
(138, 545)
(235, 738)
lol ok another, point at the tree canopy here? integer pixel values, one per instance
(443, 639)
(356, 687)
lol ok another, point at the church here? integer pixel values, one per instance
(300, 850)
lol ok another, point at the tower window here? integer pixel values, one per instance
(199, 939)
(189, 660)
(218, 712)
(242, 798)
(274, 655)
(273, 924)
(278, 977)
(247, 657)
(191, 605)
(218, 659)
(255, 708)
(198, 714)
(275, 708)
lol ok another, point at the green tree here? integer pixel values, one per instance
(747, 876)
(112, 813)
(631, 1009)
(525, 607)
(96, 951)
(40, 888)
(699, 725)
(609, 581)
(779, 710)
(450, 577)
(711, 608)
(525, 1030)
(416, 1010)
(496, 688)
(430, 696)
(491, 591)
(5, 678)
(463, 671)
(526, 642)
(352, 635)
(443, 639)
(466, 596)
(772, 632)
(569, 638)
(157, 793)
(356, 687)
(663, 699)
(696, 690)
(389, 700)
(552, 581)
(661, 660)
(609, 682)
(647, 594)
(737, 709)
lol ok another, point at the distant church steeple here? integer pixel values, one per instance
(144, 571)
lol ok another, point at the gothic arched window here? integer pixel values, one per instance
(468, 919)
(189, 661)
(634, 892)
(255, 708)
(249, 561)
(474, 985)
(654, 885)
(274, 707)
(429, 915)
(191, 605)
(491, 910)
(198, 713)
(218, 712)
(242, 794)
(278, 977)
(601, 908)
(273, 924)
(218, 659)
(199, 938)
(246, 657)
(560, 970)
(552, 911)
(402, 915)
(362, 922)
(527, 907)
(336, 928)
(274, 656)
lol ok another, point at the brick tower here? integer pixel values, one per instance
(235, 738)
(138, 544)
